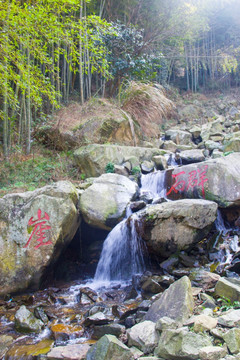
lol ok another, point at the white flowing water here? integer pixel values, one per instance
(123, 250)
(226, 244)
(154, 183)
(122, 254)
(219, 223)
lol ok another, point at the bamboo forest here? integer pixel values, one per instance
(53, 50)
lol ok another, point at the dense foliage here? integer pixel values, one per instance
(43, 46)
(53, 50)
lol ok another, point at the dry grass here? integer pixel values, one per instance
(148, 105)
(75, 114)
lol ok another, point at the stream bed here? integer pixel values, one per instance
(118, 297)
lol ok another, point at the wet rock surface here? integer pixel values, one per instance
(75, 330)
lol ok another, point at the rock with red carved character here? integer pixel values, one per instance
(215, 179)
(35, 227)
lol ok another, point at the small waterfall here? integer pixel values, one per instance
(225, 245)
(172, 161)
(219, 223)
(154, 183)
(123, 250)
(122, 254)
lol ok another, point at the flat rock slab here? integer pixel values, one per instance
(230, 319)
(212, 353)
(69, 352)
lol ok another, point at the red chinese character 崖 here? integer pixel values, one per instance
(39, 228)
(179, 185)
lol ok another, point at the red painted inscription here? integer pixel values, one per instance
(39, 226)
(196, 178)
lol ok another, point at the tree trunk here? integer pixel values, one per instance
(81, 58)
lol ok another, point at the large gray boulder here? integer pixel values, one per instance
(176, 302)
(232, 339)
(191, 156)
(173, 226)
(101, 122)
(228, 288)
(92, 159)
(181, 344)
(233, 145)
(34, 229)
(144, 336)
(104, 203)
(109, 348)
(215, 179)
(179, 137)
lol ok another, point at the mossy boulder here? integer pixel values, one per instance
(228, 288)
(233, 145)
(175, 226)
(35, 227)
(181, 344)
(104, 203)
(92, 159)
(109, 348)
(97, 121)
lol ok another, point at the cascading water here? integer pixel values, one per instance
(123, 250)
(154, 183)
(225, 245)
(219, 223)
(122, 254)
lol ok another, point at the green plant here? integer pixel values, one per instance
(23, 173)
(109, 168)
(227, 304)
(83, 176)
(135, 170)
(227, 153)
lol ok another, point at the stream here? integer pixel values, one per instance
(73, 311)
